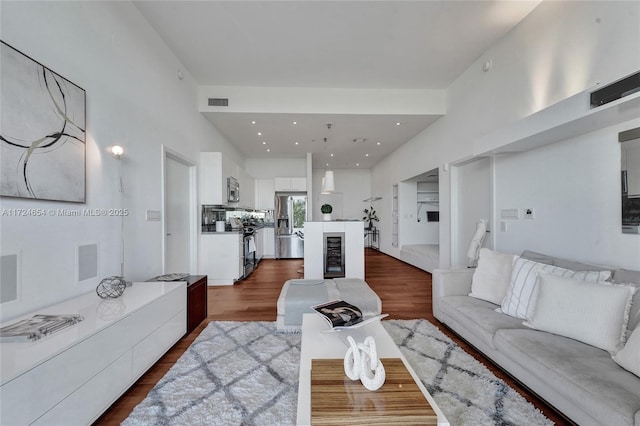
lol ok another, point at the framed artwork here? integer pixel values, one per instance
(42, 131)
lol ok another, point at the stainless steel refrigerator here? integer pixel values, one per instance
(290, 214)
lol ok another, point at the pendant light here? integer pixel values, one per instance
(328, 183)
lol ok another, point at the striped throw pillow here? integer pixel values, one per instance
(522, 293)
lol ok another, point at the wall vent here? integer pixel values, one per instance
(615, 91)
(218, 101)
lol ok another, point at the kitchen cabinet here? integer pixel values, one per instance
(265, 194)
(290, 184)
(214, 171)
(268, 243)
(247, 190)
(221, 257)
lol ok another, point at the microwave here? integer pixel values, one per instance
(233, 190)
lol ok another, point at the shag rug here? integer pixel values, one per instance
(246, 373)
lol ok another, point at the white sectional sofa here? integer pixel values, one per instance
(580, 380)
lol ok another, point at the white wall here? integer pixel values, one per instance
(261, 168)
(135, 99)
(574, 187)
(472, 202)
(558, 50)
(353, 185)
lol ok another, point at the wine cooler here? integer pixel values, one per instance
(334, 255)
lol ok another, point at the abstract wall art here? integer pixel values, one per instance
(42, 131)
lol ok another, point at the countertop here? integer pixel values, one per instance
(233, 231)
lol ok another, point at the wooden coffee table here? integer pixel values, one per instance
(318, 345)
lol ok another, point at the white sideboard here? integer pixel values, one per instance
(71, 377)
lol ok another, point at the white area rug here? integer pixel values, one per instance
(246, 373)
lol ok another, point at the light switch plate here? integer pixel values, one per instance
(510, 214)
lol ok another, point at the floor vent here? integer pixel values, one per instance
(218, 101)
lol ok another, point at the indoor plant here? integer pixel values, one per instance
(370, 216)
(326, 210)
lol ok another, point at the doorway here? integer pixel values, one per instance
(179, 213)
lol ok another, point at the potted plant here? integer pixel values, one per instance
(370, 216)
(326, 210)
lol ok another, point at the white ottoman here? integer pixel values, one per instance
(298, 296)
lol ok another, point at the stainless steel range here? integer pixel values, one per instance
(249, 251)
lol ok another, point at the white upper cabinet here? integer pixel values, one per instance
(214, 171)
(265, 194)
(247, 190)
(213, 179)
(290, 184)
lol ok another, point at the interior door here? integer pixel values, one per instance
(177, 223)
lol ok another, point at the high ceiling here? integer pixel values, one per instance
(328, 44)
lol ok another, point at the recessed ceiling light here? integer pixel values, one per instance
(357, 164)
(297, 143)
(259, 133)
(253, 122)
(295, 122)
(264, 142)
(398, 123)
(327, 164)
(378, 143)
(268, 150)
(332, 155)
(366, 155)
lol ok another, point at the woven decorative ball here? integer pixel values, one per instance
(111, 287)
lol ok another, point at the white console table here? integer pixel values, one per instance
(71, 377)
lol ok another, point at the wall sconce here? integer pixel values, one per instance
(117, 151)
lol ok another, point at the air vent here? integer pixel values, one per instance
(617, 90)
(359, 140)
(218, 101)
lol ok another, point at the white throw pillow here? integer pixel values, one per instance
(593, 313)
(629, 357)
(521, 295)
(492, 277)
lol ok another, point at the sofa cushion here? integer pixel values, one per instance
(585, 374)
(629, 357)
(594, 313)
(633, 277)
(479, 316)
(563, 263)
(491, 278)
(520, 299)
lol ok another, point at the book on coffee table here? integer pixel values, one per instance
(342, 315)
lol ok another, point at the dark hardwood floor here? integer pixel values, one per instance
(405, 292)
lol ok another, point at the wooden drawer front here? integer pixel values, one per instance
(32, 394)
(150, 349)
(152, 316)
(87, 403)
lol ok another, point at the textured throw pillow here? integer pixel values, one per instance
(593, 313)
(491, 278)
(629, 357)
(521, 296)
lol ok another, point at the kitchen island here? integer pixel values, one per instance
(345, 259)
